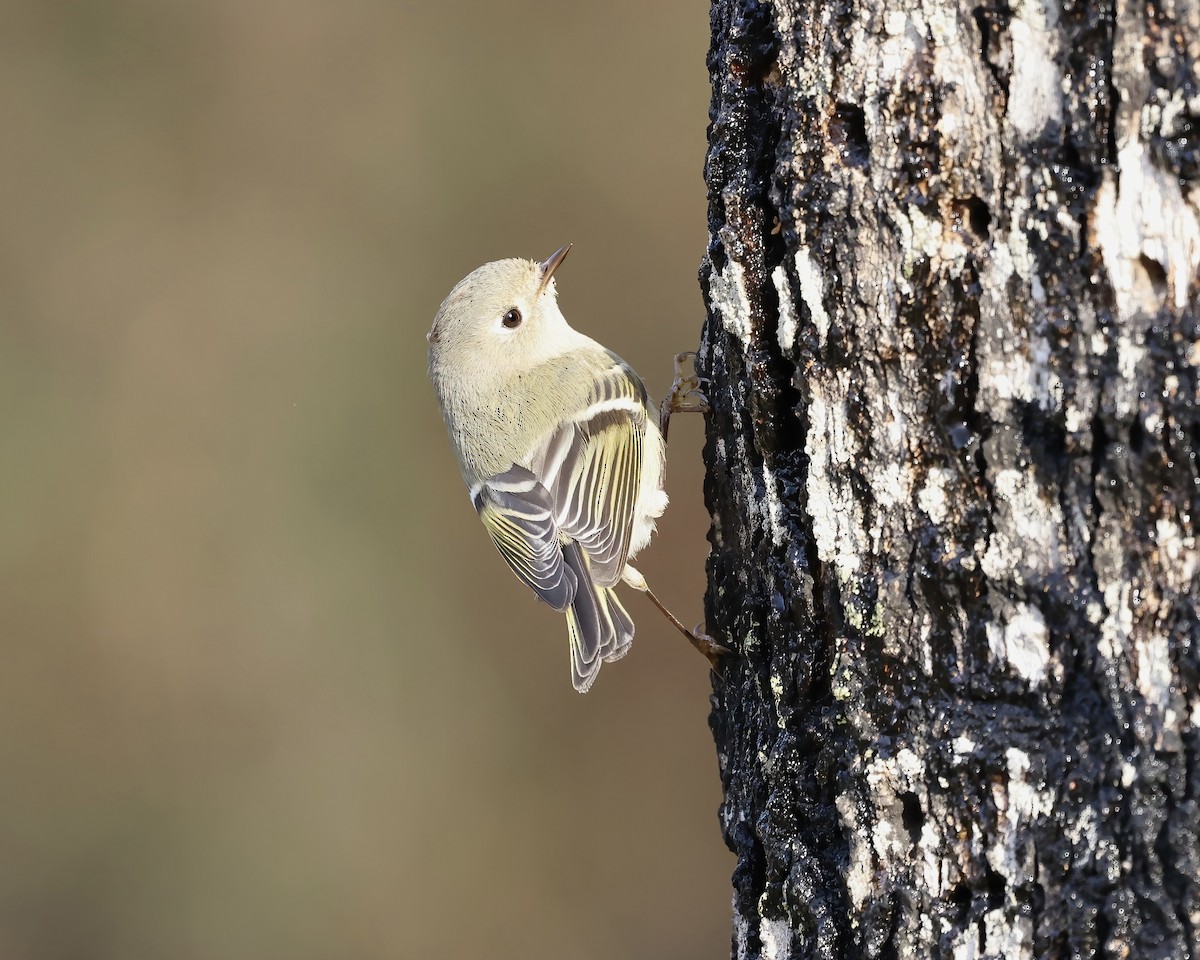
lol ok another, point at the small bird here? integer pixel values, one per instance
(560, 447)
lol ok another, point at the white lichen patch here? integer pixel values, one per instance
(727, 295)
(1152, 658)
(1007, 371)
(836, 515)
(910, 767)
(1002, 264)
(812, 289)
(887, 779)
(889, 484)
(1083, 832)
(1130, 353)
(1077, 417)
(1035, 90)
(932, 496)
(965, 945)
(1144, 213)
(789, 323)
(1027, 801)
(741, 935)
(1048, 390)
(944, 27)
(1006, 375)
(1006, 934)
(777, 694)
(897, 51)
(925, 632)
(890, 476)
(920, 237)
(1020, 803)
(776, 937)
(933, 857)
(862, 866)
(1026, 538)
(1018, 245)
(1009, 932)
(1177, 554)
(880, 844)
(1022, 640)
(1118, 620)
(1016, 801)
(888, 846)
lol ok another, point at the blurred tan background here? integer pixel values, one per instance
(267, 690)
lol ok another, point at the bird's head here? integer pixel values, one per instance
(503, 315)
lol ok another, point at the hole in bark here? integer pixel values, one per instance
(1037, 898)
(1155, 274)
(981, 21)
(972, 216)
(960, 896)
(995, 49)
(848, 130)
(1137, 437)
(995, 890)
(912, 815)
(1044, 440)
(960, 435)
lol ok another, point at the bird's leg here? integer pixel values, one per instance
(685, 395)
(708, 647)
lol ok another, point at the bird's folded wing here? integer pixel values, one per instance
(518, 513)
(593, 469)
(595, 492)
(583, 484)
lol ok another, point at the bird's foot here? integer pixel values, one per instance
(708, 647)
(685, 395)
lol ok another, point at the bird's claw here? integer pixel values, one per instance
(685, 395)
(708, 647)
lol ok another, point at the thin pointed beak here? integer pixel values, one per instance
(550, 264)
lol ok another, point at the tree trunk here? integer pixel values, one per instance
(953, 356)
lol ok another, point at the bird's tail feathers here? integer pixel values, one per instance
(598, 625)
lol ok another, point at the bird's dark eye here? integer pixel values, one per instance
(512, 318)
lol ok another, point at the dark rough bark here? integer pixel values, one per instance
(953, 355)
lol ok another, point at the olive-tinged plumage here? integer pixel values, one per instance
(559, 446)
